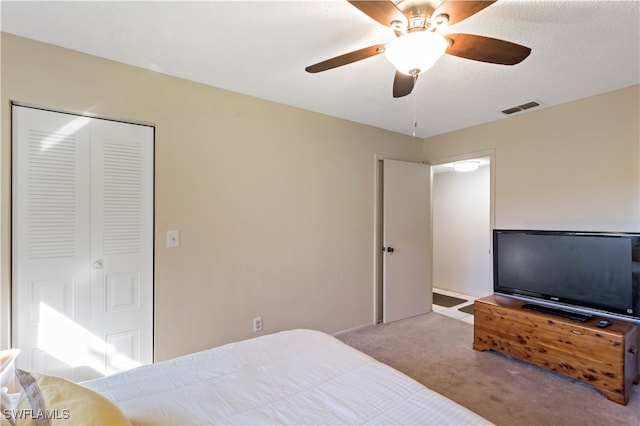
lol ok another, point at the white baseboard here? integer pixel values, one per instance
(338, 333)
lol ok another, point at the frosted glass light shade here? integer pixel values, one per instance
(466, 166)
(416, 52)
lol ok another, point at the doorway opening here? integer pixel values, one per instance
(462, 222)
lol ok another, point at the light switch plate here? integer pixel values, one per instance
(173, 238)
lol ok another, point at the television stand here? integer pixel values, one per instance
(606, 358)
(558, 312)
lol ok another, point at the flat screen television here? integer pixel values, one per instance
(587, 273)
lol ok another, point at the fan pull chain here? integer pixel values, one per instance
(415, 119)
(415, 95)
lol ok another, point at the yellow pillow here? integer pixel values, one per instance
(50, 400)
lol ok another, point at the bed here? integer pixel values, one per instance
(292, 377)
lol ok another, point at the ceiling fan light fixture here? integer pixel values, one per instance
(416, 52)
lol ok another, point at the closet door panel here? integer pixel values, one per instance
(51, 239)
(122, 242)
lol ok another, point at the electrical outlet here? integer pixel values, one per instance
(173, 238)
(257, 324)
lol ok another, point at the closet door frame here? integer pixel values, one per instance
(91, 284)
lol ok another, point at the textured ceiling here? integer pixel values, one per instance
(260, 48)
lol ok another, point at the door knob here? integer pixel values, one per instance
(98, 264)
(388, 249)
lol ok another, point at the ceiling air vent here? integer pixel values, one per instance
(511, 110)
(519, 108)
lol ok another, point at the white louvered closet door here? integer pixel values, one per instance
(82, 250)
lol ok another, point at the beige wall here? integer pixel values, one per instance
(275, 204)
(575, 166)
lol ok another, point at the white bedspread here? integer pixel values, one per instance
(292, 377)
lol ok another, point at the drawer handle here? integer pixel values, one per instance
(577, 332)
(501, 313)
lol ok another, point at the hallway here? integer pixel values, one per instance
(454, 310)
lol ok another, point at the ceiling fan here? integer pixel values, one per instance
(419, 42)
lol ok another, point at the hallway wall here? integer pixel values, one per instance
(462, 232)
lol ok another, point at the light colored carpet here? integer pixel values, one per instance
(437, 351)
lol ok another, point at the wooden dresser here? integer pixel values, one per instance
(606, 358)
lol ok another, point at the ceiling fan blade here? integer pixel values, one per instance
(461, 10)
(347, 58)
(382, 11)
(402, 84)
(486, 49)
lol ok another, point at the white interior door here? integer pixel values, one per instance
(406, 239)
(122, 242)
(51, 239)
(82, 218)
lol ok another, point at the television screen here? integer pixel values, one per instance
(590, 271)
